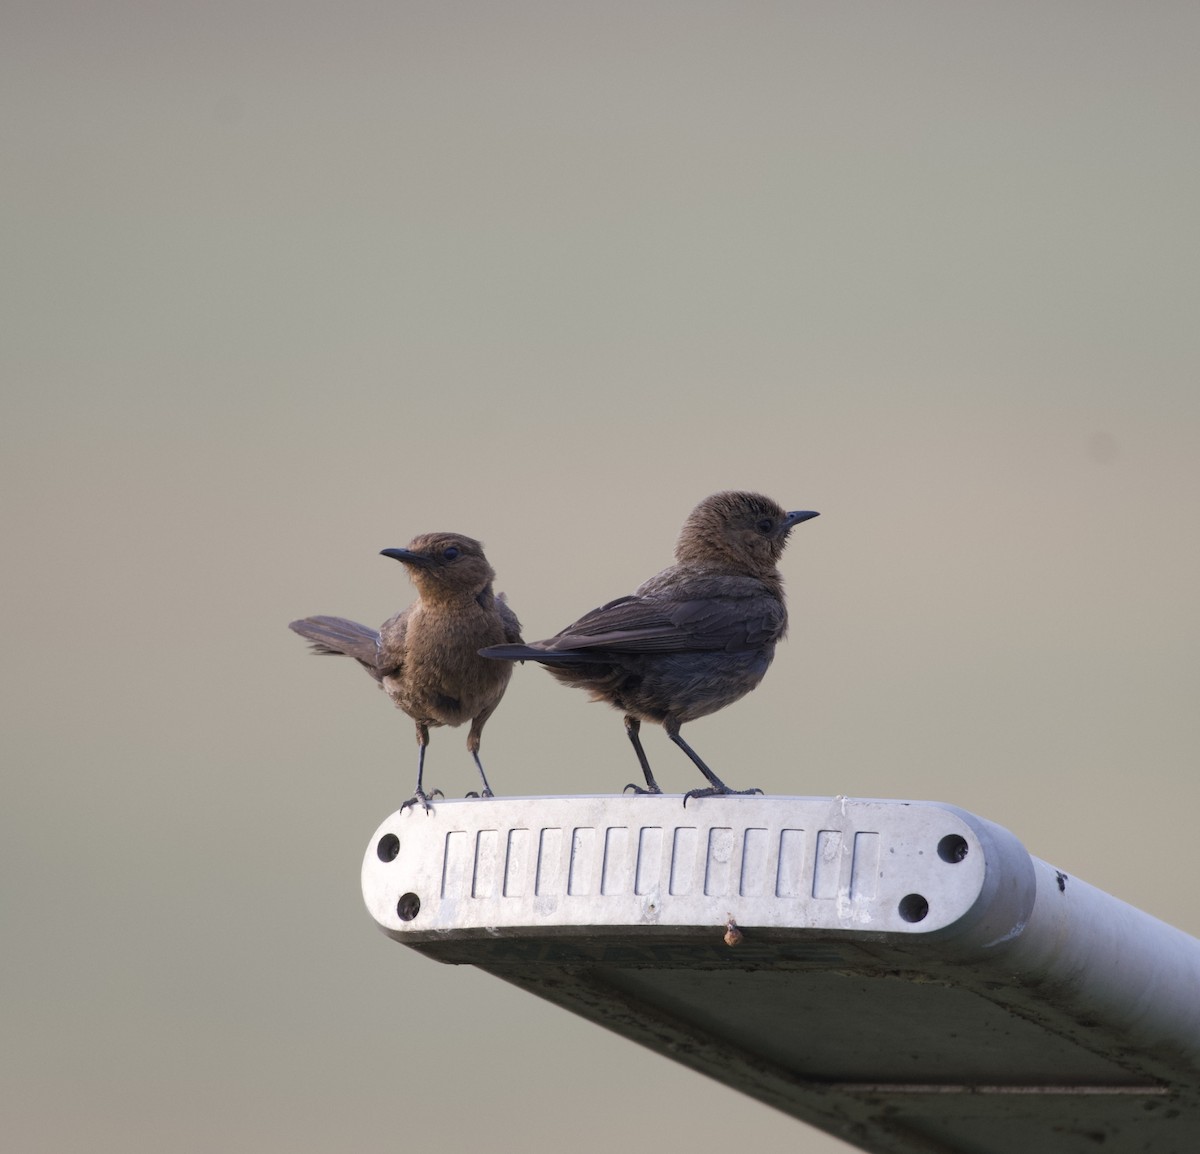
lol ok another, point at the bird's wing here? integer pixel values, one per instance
(512, 627)
(392, 634)
(339, 635)
(728, 620)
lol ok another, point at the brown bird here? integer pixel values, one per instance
(426, 658)
(690, 640)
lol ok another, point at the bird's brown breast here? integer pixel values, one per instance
(443, 680)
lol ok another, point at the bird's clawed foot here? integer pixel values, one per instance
(715, 791)
(486, 793)
(424, 798)
(640, 789)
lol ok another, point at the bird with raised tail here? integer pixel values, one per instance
(426, 658)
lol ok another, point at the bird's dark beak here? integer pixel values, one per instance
(796, 516)
(407, 556)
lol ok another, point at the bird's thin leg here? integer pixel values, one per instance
(420, 795)
(632, 725)
(487, 789)
(473, 746)
(718, 788)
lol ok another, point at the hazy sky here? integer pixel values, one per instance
(286, 284)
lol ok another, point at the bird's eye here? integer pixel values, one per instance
(765, 525)
(450, 553)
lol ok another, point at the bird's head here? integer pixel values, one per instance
(445, 563)
(745, 530)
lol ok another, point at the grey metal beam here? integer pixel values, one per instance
(904, 975)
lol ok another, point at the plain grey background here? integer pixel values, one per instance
(286, 284)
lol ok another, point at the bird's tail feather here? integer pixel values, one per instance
(543, 656)
(339, 636)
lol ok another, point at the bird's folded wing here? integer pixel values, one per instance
(635, 624)
(512, 627)
(393, 636)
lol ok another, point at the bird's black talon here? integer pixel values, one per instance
(471, 794)
(487, 793)
(713, 791)
(640, 789)
(421, 797)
